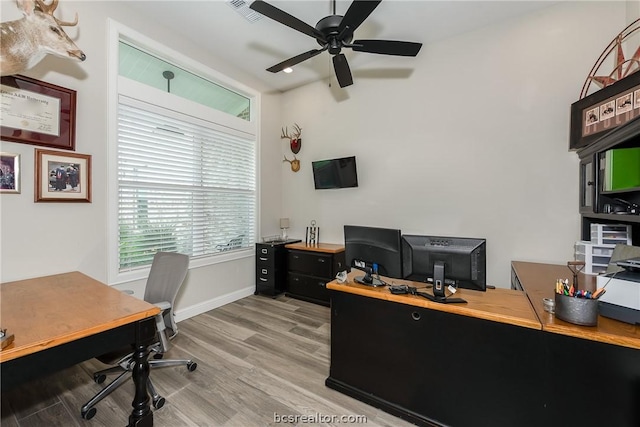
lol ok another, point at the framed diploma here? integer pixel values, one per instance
(38, 113)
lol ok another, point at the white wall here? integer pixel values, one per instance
(474, 143)
(47, 238)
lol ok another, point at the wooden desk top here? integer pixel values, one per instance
(538, 281)
(497, 305)
(329, 248)
(48, 311)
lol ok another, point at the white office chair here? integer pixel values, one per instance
(168, 271)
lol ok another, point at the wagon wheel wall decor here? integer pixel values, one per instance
(610, 95)
(614, 55)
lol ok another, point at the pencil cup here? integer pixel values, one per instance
(580, 311)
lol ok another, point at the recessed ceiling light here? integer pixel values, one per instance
(288, 70)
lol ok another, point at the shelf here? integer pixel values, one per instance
(626, 190)
(613, 217)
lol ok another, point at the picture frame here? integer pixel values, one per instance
(595, 115)
(9, 173)
(62, 176)
(37, 113)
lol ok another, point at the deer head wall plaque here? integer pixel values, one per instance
(26, 41)
(295, 143)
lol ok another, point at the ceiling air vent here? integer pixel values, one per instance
(242, 7)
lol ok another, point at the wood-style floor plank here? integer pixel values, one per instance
(257, 357)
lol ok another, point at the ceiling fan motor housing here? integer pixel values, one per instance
(328, 26)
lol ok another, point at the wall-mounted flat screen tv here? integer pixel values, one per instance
(335, 173)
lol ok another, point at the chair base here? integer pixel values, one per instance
(125, 368)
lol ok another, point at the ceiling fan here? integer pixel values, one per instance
(335, 32)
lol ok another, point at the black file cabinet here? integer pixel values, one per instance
(271, 267)
(310, 268)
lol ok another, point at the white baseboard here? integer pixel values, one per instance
(194, 310)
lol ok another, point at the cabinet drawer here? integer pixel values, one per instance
(265, 270)
(265, 253)
(310, 263)
(308, 286)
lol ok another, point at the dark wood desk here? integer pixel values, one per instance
(438, 364)
(599, 364)
(489, 362)
(538, 281)
(64, 319)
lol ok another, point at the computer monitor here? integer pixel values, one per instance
(456, 261)
(372, 248)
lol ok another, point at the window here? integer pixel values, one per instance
(182, 186)
(138, 65)
(185, 167)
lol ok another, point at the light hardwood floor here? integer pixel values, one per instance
(256, 357)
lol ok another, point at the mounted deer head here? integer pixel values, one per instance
(295, 142)
(295, 163)
(27, 40)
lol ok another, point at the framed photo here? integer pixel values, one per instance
(62, 177)
(602, 111)
(9, 173)
(38, 113)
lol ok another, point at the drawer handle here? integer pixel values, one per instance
(295, 279)
(264, 271)
(321, 260)
(264, 251)
(295, 257)
(263, 259)
(415, 315)
(263, 279)
(322, 284)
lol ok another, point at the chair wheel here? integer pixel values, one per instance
(159, 402)
(191, 366)
(99, 378)
(88, 414)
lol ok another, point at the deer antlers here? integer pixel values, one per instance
(296, 135)
(50, 8)
(295, 163)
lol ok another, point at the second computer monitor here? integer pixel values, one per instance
(365, 246)
(461, 260)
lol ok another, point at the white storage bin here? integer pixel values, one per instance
(595, 257)
(610, 234)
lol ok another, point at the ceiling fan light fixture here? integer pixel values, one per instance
(288, 70)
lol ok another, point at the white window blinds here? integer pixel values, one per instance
(184, 184)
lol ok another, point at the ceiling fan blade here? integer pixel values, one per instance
(343, 72)
(284, 18)
(356, 14)
(386, 47)
(295, 60)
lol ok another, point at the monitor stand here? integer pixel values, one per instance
(370, 281)
(438, 286)
(441, 300)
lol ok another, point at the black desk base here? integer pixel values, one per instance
(139, 334)
(434, 368)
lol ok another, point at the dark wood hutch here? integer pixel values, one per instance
(596, 204)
